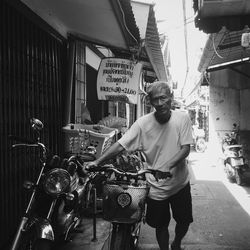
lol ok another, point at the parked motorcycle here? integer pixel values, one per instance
(124, 195)
(199, 140)
(235, 165)
(55, 204)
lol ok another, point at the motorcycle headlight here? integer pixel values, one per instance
(56, 182)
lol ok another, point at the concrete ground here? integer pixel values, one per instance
(221, 214)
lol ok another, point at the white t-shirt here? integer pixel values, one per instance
(159, 143)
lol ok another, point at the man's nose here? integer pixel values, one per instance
(158, 102)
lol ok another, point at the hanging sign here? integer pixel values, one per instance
(118, 80)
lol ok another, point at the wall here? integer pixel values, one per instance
(229, 103)
(32, 66)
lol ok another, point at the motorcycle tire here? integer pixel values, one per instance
(230, 174)
(238, 177)
(200, 145)
(121, 237)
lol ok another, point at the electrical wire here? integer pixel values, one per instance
(206, 77)
(215, 48)
(124, 22)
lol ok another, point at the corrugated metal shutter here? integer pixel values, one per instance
(30, 86)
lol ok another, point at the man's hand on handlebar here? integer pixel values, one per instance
(91, 164)
(162, 175)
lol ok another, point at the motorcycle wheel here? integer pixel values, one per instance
(135, 237)
(30, 242)
(121, 237)
(229, 173)
(200, 145)
(238, 177)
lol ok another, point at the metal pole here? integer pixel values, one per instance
(94, 215)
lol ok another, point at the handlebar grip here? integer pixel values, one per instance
(21, 139)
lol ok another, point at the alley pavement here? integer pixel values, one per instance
(221, 214)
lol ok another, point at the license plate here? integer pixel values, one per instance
(237, 162)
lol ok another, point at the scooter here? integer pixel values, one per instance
(235, 165)
(124, 195)
(199, 140)
(56, 200)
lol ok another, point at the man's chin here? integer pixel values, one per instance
(162, 117)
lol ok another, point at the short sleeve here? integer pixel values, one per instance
(131, 140)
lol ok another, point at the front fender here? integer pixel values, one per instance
(43, 229)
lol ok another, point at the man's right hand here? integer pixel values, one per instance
(163, 175)
(91, 164)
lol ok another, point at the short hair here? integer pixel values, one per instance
(162, 85)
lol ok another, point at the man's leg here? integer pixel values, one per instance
(158, 217)
(180, 232)
(162, 237)
(181, 205)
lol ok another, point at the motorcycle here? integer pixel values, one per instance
(199, 140)
(235, 165)
(56, 200)
(124, 195)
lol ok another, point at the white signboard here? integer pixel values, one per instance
(118, 80)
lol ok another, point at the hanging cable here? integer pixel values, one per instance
(206, 77)
(215, 48)
(124, 22)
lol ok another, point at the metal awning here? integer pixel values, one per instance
(223, 49)
(153, 47)
(106, 22)
(110, 23)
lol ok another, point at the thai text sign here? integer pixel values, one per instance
(118, 80)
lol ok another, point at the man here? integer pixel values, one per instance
(164, 136)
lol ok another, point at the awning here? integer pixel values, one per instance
(212, 15)
(223, 49)
(153, 47)
(106, 22)
(110, 23)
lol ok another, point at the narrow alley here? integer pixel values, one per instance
(221, 210)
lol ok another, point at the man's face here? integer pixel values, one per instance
(161, 101)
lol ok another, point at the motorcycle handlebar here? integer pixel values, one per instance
(24, 142)
(110, 168)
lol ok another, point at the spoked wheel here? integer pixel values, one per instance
(30, 242)
(136, 229)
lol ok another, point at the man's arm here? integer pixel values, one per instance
(181, 155)
(112, 151)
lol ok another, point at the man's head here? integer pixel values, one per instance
(160, 97)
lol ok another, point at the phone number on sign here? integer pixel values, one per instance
(118, 90)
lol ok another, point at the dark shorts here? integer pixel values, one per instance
(158, 211)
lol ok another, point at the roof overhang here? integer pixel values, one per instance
(109, 23)
(153, 47)
(101, 22)
(212, 15)
(223, 49)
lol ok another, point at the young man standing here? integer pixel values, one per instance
(164, 136)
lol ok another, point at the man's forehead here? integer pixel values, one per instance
(161, 92)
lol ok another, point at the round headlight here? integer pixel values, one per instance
(56, 181)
